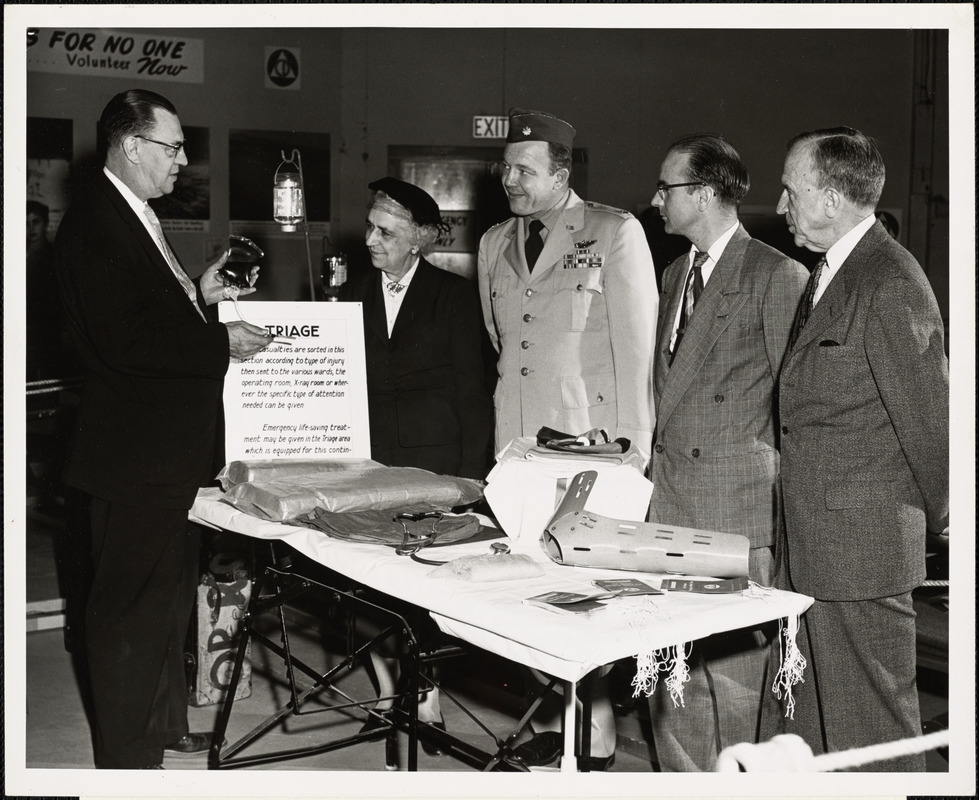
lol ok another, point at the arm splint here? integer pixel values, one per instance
(579, 538)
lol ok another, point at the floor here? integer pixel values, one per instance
(57, 724)
(58, 733)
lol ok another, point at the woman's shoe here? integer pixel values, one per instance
(540, 751)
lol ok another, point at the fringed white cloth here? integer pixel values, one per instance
(669, 660)
(672, 661)
(792, 664)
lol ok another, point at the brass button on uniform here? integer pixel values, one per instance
(658, 448)
(695, 452)
(527, 318)
(525, 344)
(524, 371)
(529, 293)
(601, 399)
(785, 429)
(579, 287)
(718, 398)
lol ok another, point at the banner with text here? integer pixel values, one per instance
(111, 54)
(305, 397)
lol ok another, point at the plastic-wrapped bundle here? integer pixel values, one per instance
(281, 491)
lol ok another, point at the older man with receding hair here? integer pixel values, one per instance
(863, 403)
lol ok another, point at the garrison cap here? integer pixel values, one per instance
(424, 210)
(538, 126)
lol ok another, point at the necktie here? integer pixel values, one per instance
(394, 287)
(534, 243)
(691, 294)
(185, 282)
(805, 305)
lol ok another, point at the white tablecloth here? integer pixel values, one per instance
(492, 615)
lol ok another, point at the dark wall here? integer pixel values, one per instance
(629, 93)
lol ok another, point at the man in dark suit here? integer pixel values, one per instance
(863, 400)
(723, 326)
(145, 435)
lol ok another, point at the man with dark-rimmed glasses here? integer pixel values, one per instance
(147, 429)
(726, 311)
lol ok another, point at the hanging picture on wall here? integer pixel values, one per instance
(188, 206)
(49, 154)
(253, 159)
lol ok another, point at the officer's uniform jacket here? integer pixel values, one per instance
(575, 338)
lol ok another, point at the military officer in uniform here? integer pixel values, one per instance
(569, 298)
(570, 301)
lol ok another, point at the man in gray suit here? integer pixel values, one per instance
(723, 327)
(863, 399)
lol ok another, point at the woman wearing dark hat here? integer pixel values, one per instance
(427, 402)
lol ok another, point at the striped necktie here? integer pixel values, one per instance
(805, 305)
(691, 294)
(185, 282)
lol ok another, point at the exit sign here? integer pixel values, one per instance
(490, 127)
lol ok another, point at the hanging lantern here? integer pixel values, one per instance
(288, 204)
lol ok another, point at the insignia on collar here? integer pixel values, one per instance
(526, 131)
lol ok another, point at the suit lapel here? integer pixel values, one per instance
(147, 243)
(375, 316)
(720, 302)
(833, 301)
(673, 291)
(419, 292)
(514, 252)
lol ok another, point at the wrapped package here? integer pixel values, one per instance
(248, 471)
(283, 491)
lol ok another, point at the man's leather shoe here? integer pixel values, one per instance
(432, 748)
(596, 763)
(193, 744)
(541, 750)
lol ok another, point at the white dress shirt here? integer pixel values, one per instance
(839, 253)
(393, 300)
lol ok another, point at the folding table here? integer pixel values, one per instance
(492, 615)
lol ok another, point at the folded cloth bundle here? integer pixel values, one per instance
(485, 568)
(381, 527)
(593, 442)
(279, 492)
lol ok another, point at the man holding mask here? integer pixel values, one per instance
(146, 432)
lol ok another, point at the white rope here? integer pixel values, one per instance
(848, 759)
(790, 753)
(934, 583)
